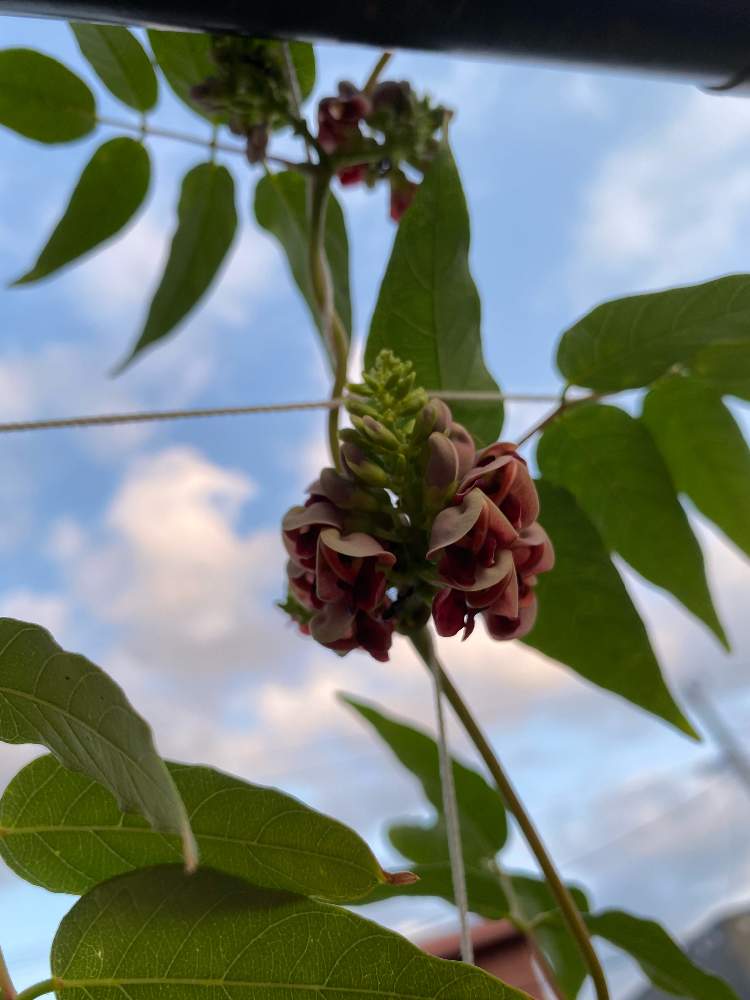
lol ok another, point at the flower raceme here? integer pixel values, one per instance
(416, 524)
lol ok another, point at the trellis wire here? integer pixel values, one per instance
(154, 416)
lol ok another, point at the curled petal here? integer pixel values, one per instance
(504, 476)
(319, 513)
(532, 551)
(451, 614)
(357, 545)
(454, 523)
(332, 624)
(502, 628)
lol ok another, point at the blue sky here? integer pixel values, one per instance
(155, 550)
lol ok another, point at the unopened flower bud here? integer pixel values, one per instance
(463, 442)
(360, 407)
(379, 434)
(257, 143)
(434, 416)
(360, 465)
(441, 473)
(344, 492)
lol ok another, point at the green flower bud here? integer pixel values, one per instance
(360, 466)
(379, 434)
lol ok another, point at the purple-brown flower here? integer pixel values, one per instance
(301, 527)
(471, 543)
(351, 570)
(343, 630)
(503, 476)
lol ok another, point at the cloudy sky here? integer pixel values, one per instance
(155, 550)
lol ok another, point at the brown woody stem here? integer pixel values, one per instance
(567, 905)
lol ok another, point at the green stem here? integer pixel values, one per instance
(334, 334)
(377, 70)
(567, 905)
(40, 989)
(563, 405)
(7, 989)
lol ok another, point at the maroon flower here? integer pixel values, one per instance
(502, 474)
(301, 527)
(345, 493)
(503, 627)
(352, 175)
(533, 552)
(343, 630)
(471, 543)
(463, 442)
(350, 570)
(339, 118)
(302, 586)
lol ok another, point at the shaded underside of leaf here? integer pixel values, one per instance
(428, 310)
(157, 933)
(281, 209)
(630, 342)
(42, 99)
(667, 966)
(206, 225)
(706, 453)
(62, 701)
(120, 62)
(63, 831)
(586, 618)
(726, 367)
(112, 188)
(611, 465)
(481, 812)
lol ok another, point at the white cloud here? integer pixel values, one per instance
(669, 206)
(51, 610)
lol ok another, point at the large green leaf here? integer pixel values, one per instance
(707, 455)
(428, 310)
(73, 836)
(41, 99)
(726, 367)
(662, 960)
(206, 224)
(185, 59)
(481, 811)
(423, 844)
(120, 62)
(63, 702)
(630, 342)
(109, 193)
(586, 619)
(281, 208)
(158, 933)
(610, 464)
(303, 58)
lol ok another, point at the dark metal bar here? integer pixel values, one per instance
(706, 41)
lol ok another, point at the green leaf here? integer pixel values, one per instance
(707, 456)
(185, 59)
(112, 188)
(63, 702)
(158, 933)
(120, 62)
(610, 464)
(631, 342)
(586, 619)
(73, 836)
(419, 843)
(303, 58)
(428, 310)
(481, 811)
(206, 224)
(42, 99)
(281, 208)
(662, 960)
(726, 367)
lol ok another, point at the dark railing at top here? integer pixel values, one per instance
(705, 41)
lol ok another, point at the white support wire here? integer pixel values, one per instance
(153, 416)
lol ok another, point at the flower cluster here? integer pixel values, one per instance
(389, 127)
(249, 89)
(416, 523)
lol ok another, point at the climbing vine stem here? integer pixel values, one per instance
(567, 905)
(334, 334)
